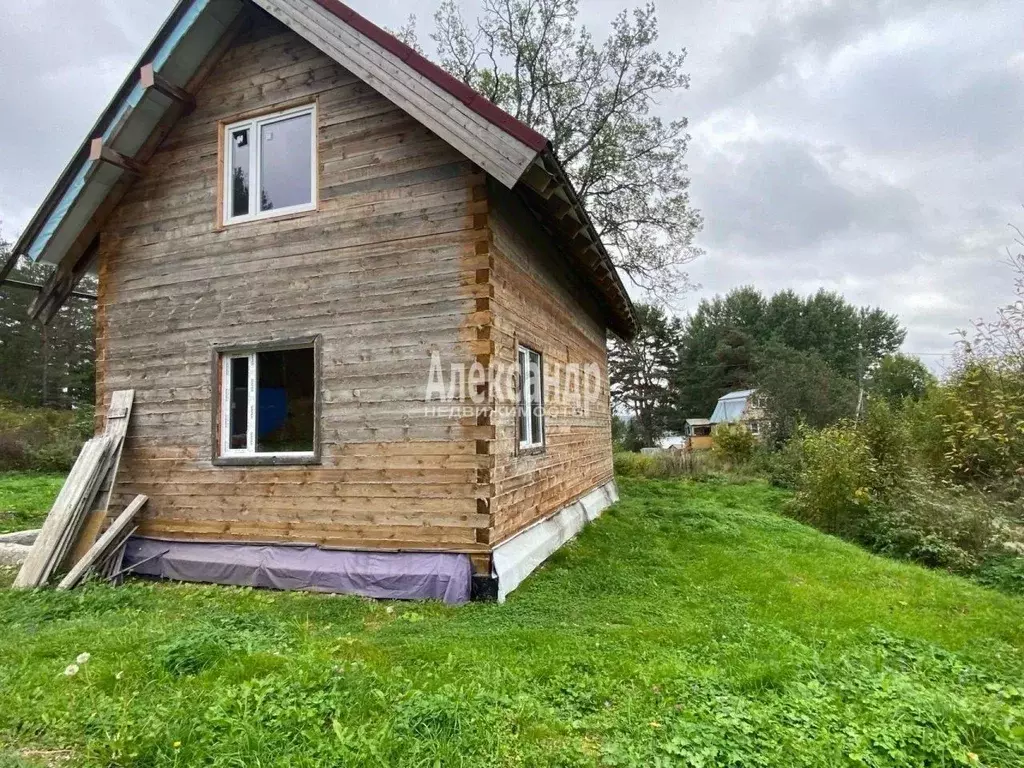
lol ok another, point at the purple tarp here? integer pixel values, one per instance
(390, 575)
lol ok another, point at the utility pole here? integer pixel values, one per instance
(860, 364)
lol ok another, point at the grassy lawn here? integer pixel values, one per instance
(25, 498)
(690, 626)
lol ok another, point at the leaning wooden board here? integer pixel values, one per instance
(67, 511)
(90, 488)
(118, 415)
(109, 541)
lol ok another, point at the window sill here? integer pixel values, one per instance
(538, 450)
(267, 461)
(294, 213)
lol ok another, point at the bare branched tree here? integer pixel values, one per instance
(1001, 340)
(594, 101)
(407, 33)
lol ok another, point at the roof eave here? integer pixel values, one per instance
(551, 190)
(52, 198)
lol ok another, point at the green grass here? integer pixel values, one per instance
(25, 498)
(691, 625)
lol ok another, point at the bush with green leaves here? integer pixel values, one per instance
(42, 439)
(782, 466)
(860, 482)
(835, 480)
(943, 527)
(734, 444)
(981, 413)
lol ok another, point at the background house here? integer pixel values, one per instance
(742, 407)
(698, 434)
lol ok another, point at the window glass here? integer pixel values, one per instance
(531, 398)
(286, 155)
(285, 400)
(240, 172)
(239, 403)
(537, 404)
(524, 383)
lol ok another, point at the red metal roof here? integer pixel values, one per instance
(486, 109)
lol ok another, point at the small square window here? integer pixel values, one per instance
(531, 399)
(268, 404)
(270, 166)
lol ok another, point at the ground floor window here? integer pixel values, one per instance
(531, 398)
(268, 406)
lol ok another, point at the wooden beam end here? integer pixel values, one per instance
(147, 76)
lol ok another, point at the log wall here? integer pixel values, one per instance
(386, 271)
(540, 301)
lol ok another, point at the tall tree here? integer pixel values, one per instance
(716, 354)
(594, 101)
(724, 339)
(801, 388)
(51, 365)
(899, 378)
(640, 370)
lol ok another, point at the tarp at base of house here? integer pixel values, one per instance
(385, 575)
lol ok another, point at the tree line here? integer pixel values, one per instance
(45, 366)
(812, 358)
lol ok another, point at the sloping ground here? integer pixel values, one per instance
(25, 498)
(690, 626)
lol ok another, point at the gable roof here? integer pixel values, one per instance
(476, 102)
(65, 228)
(731, 407)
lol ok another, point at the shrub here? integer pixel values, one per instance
(888, 441)
(942, 527)
(783, 467)
(42, 439)
(835, 480)
(981, 412)
(858, 482)
(1005, 572)
(734, 444)
(629, 464)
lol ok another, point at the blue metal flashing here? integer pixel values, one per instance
(129, 103)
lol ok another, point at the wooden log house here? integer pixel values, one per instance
(298, 223)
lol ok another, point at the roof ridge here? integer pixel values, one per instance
(473, 99)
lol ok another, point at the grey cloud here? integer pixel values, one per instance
(930, 102)
(867, 146)
(776, 195)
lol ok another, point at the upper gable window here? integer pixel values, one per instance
(270, 165)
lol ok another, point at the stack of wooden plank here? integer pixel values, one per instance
(81, 507)
(62, 526)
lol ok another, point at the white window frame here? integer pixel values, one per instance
(526, 398)
(226, 451)
(255, 125)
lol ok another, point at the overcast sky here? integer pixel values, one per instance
(874, 148)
